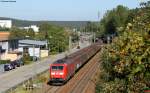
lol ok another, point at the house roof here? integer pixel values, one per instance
(32, 42)
(4, 36)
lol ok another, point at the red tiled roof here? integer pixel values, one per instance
(4, 36)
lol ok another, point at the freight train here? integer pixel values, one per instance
(63, 69)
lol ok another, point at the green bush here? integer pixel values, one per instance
(116, 86)
(26, 58)
(4, 61)
(126, 61)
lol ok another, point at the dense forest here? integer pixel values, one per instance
(24, 23)
(125, 65)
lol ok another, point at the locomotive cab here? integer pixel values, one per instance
(57, 73)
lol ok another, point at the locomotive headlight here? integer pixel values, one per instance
(61, 73)
(52, 73)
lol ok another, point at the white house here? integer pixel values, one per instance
(34, 27)
(6, 23)
(33, 47)
(8, 47)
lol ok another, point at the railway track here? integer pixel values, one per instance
(81, 82)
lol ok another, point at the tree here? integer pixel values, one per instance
(56, 36)
(114, 20)
(110, 27)
(126, 61)
(91, 27)
(75, 37)
(16, 33)
(4, 29)
(31, 33)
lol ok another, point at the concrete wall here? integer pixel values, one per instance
(34, 52)
(44, 53)
(10, 57)
(20, 49)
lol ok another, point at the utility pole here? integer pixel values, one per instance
(39, 52)
(33, 52)
(70, 42)
(94, 36)
(33, 59)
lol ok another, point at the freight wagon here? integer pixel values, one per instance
(62, 70)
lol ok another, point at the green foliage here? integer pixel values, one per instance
(126, 61)
(112, 86)
(56, 36)
(25, 23)
(30, 33)
(90, 27)
(16, 33)
(114, 20)
(26, 58)
(95, 27)
(4, 29)
(75, 37)
(4, 61)
(111, 26)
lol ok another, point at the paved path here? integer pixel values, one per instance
(17, 76)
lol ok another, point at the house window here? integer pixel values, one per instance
(25, 49)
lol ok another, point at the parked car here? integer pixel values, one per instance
(34, 58)
(7, 67)
(16, 63)
(19, 63)
(13, 64)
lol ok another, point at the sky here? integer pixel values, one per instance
(61, 10)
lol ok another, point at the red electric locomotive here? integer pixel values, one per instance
(63, 69)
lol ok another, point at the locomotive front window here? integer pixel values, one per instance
(54, 67)
(57, 67)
